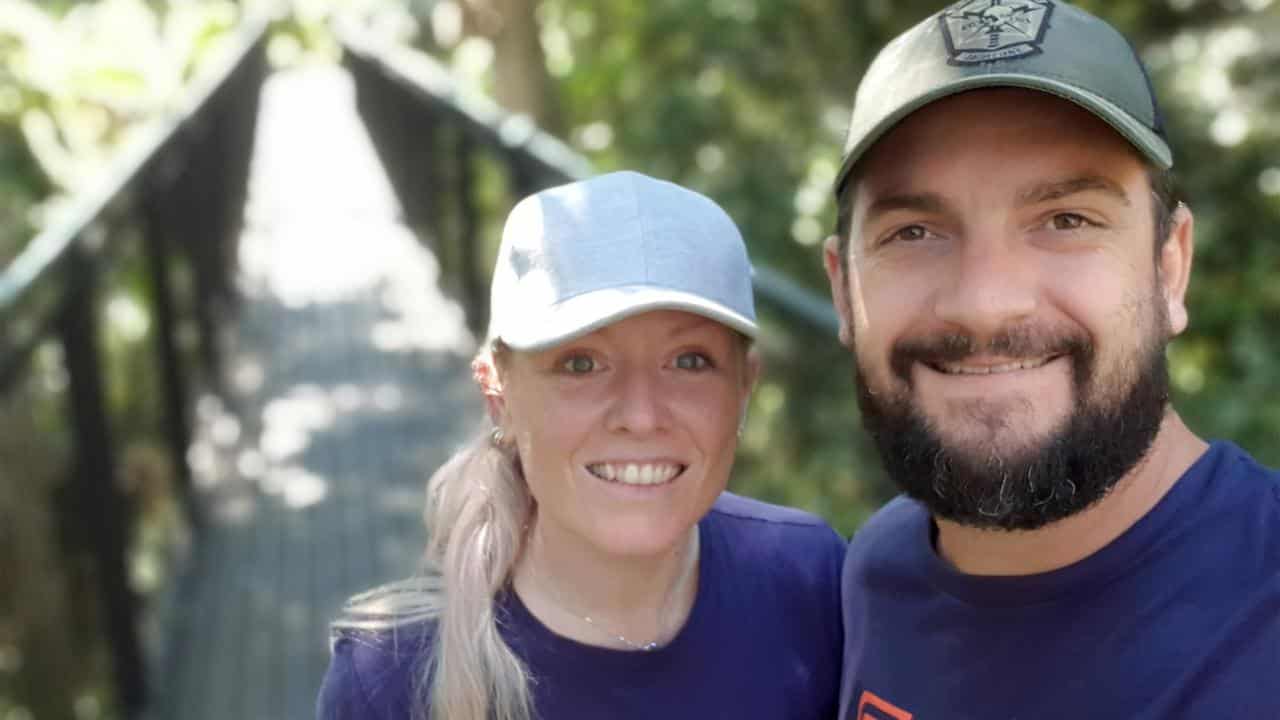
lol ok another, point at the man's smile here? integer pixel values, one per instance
(997, 367)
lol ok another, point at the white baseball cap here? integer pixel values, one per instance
(580, 256)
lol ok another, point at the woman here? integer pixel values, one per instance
(584, 558)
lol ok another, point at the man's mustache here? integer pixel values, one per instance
(1014, 343)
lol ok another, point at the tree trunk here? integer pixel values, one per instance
(521, 81)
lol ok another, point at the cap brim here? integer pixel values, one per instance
(1148, 143)
(586, 313)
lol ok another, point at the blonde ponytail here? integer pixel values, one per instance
(478, 508)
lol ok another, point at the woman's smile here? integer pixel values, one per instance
(637, 473)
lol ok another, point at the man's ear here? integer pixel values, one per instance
(840, 293)
(1175, 267)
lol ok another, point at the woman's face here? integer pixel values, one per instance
(626, 435)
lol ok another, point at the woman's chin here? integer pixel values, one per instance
(638, 537)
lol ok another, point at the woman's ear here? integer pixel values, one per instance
(485, 373)
(750, 376)
(755, 364)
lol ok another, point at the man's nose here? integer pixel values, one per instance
(990, 284)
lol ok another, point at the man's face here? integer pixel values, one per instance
(1007, 307)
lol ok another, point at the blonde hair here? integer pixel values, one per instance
(477, 512)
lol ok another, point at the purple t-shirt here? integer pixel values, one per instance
(763, 639)
(1179, 617)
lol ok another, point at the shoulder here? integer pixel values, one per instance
(1237, 509)
(1226, 555)
(741, 515)
(1233, 461)
(887, 535)
(899, 517)
(779, 538)
(373, 673)
(1228, 483)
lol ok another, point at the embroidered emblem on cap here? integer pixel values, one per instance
(988, 30)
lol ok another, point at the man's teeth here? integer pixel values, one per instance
(636, 474)
(957, 369)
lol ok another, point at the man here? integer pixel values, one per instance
(1009, 265)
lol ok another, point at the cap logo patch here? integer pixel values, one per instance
(983, 31)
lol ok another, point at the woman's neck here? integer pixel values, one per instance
(597, 598)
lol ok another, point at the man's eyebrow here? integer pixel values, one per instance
(1056, 190)
(919, 202)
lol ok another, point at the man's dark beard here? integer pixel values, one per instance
(1077, 465)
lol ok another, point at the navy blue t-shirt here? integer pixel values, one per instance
(763, 639)
(1179, 617)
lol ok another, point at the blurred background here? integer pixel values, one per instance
(244, 252)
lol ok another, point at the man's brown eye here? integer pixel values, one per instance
(911, 232)
(1068, 221)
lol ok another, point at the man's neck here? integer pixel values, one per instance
(998, 552)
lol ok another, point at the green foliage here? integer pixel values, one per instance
(77, 81)
(22, 185)
(1220, 101)
(47, 626)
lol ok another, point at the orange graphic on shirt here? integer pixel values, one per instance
(874, 707)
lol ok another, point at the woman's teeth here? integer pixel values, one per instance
(636, 473)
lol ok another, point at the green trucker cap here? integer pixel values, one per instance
(1042, 45)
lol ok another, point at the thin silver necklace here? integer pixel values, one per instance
(690, 554)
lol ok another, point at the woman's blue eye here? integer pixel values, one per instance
(692, 361)
(578, 364)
